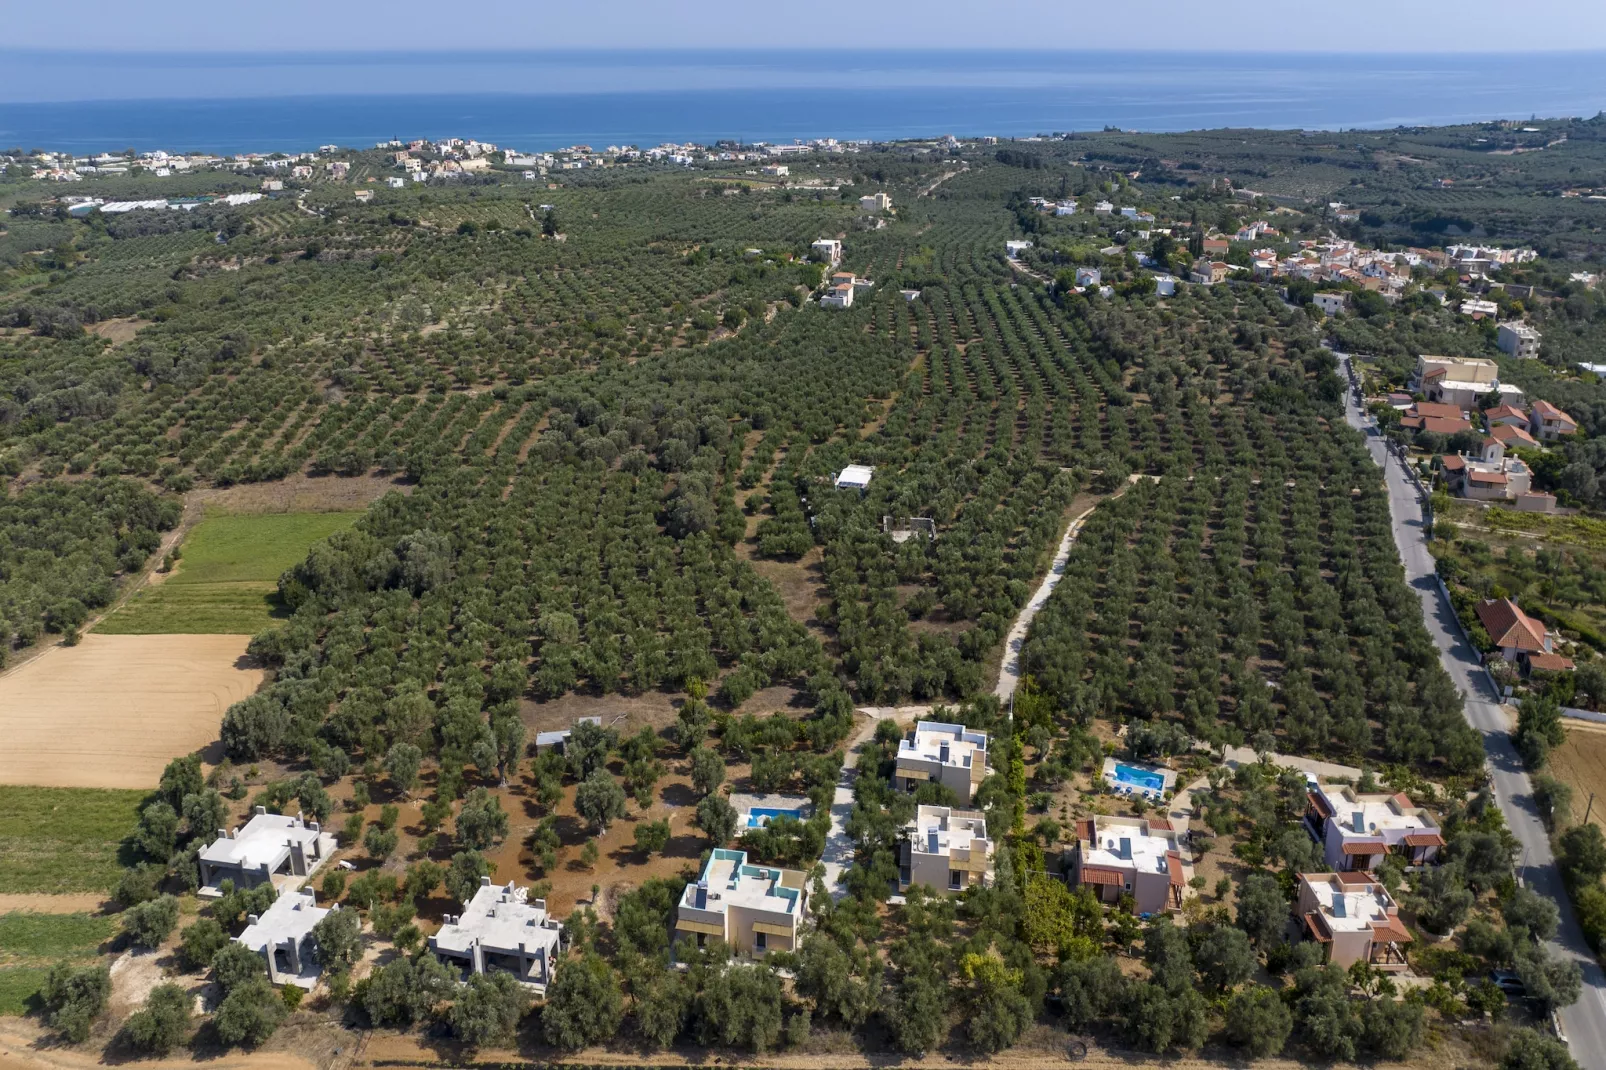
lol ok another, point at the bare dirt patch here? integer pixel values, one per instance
(301, 493)
(1580, 763)
(117, 331)
(113, 710)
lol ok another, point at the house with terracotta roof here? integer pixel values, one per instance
(1137, 856)
(1436, 417)
(1545, 662)
(1357, 830)
(1549, 423)
(1511, 437)
(1490, 476)
(1354, 918)
(1506, 415)
(1512, 630)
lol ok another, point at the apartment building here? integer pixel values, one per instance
(946, 850)
(1357, 830)
(950, 754)
(754, 909)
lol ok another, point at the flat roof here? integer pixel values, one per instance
(262, 840)
(498, 917)
(929, 736)
(1121, 846)
(291, 916)
(954, 828)
(731, 880)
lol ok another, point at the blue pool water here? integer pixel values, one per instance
(1139, 778)
(762, 815)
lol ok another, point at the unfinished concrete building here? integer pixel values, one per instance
(269, 848)
(283, 936)
(501, 929)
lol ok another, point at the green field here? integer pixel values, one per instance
(63, 839)
(31, 943)
(225, 581)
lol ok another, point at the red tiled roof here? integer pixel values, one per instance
(1424, 839)
(1160, 823)
(1544, 410)
(1392, 929)
(1507, 435)
(1436, 408)
(1494, 478)
(1355, 876)
(1101, 875)
(1173, 865)
(1505, 411)
(1364, 847)
(1453, 462)
(1508, 625)
(1402, 800)
(1550, 662)
(1439, 425)
(1084, 829)
(1318, 928)
(1319, 803)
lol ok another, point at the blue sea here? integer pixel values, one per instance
(85, 102)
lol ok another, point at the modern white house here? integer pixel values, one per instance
(501, 930)
(827, 251)
(875, 202)
(946, 850)
(1331, 302)
(949, 754)
(1357, 830)
(754, 909)
(270, 846)
(282, 935)
(1013, 249)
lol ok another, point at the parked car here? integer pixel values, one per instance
(1509, 983)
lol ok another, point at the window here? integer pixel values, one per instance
(954, 879)
(702, 939)
(760, 941)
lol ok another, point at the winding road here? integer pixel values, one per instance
(1585, 1021)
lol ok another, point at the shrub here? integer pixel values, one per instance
(163, 1023)
(74, 997)
(149, 923)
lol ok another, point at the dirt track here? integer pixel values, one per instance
(113, 710)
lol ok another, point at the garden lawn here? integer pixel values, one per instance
(226, 581)
(64, 839)
(32, 943)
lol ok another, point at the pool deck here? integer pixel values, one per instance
(744, 803)
(1169, 776)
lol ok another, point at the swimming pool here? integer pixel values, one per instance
(1146, 779)
(763, 815)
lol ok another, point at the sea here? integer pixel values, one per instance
(86, 102)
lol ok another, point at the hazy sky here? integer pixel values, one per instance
(1239, 25)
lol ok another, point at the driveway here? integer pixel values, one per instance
(1585, 1021)
(838, 853)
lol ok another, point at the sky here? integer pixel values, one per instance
(1183, 25)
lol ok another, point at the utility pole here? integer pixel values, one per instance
(1590, 807)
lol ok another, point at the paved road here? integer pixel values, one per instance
(1585, 1021)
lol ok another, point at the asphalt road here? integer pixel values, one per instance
(1585, 1021)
